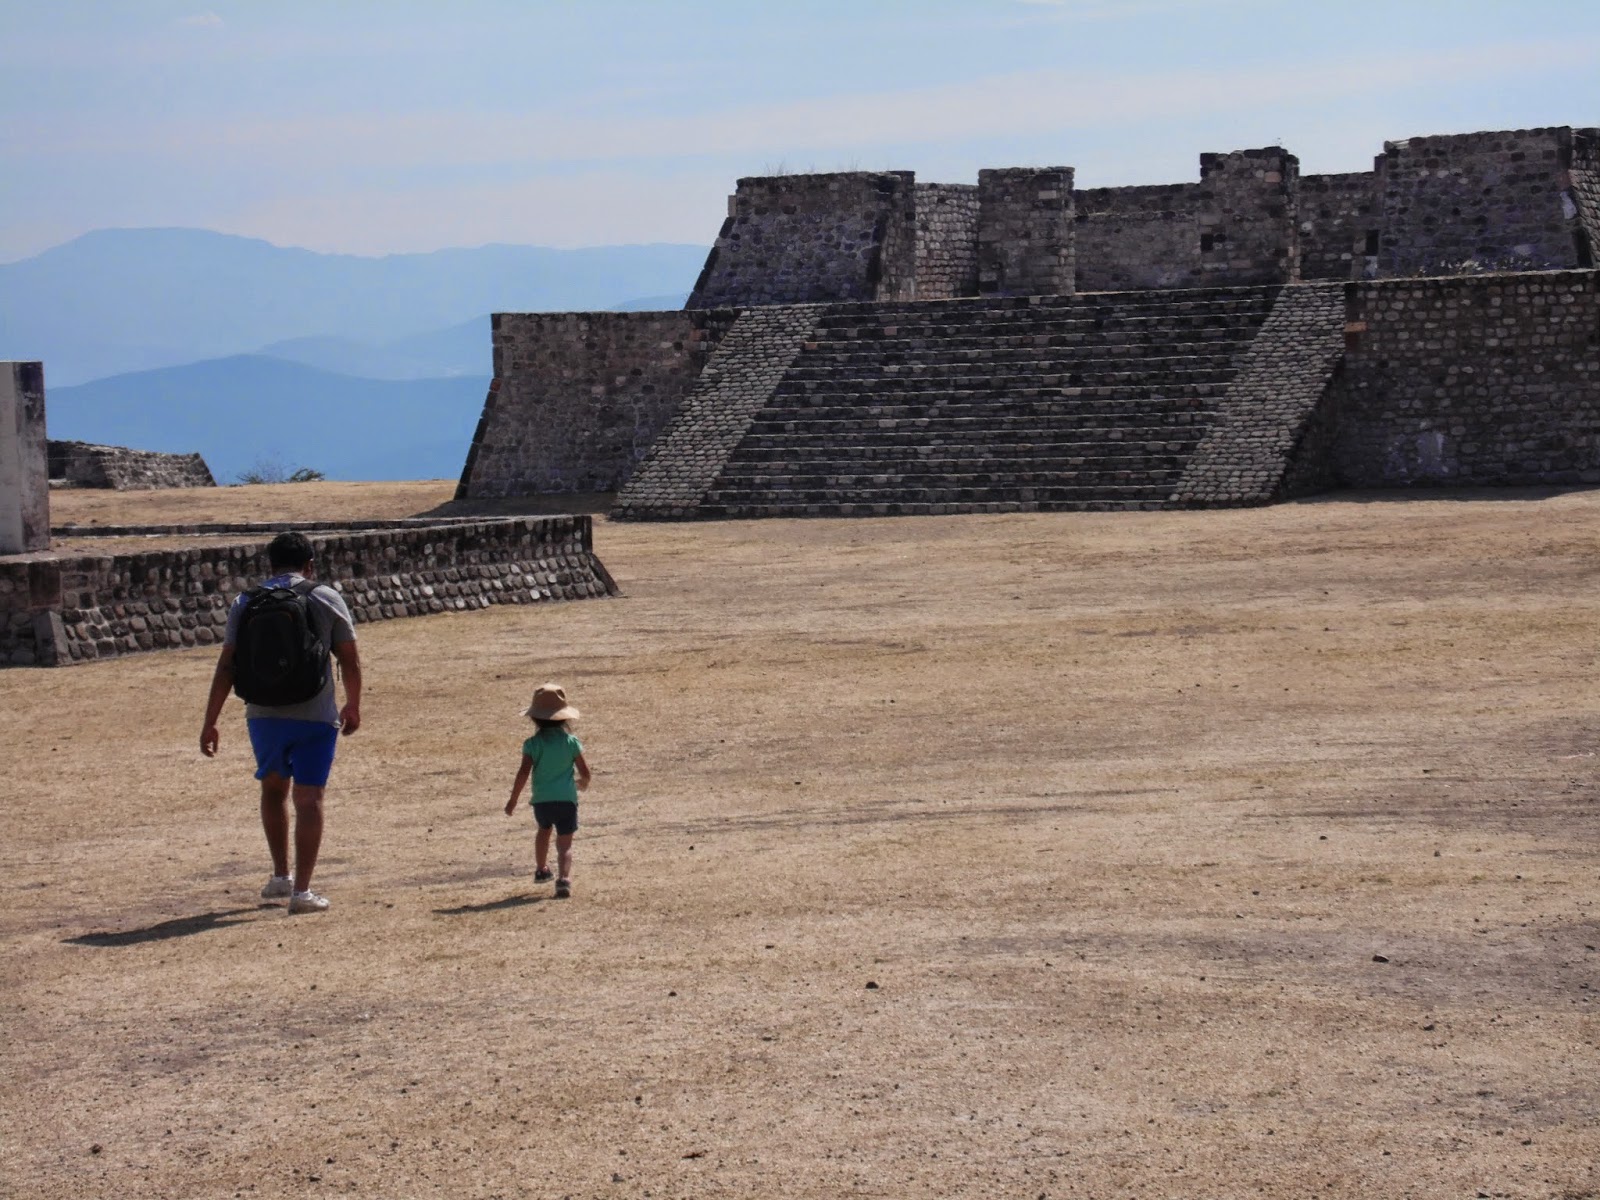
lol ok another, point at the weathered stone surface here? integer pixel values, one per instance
(84, 464)
(24, 486)
(795, 239)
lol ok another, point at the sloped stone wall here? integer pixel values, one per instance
(796, 239)
(578, 398)
(1473, 380)
(1584, 175)
(1338, 215)
(1476, 202)
(60, 609)
(84, 464)
(738, 381)
(947, 240)
(1262, 424)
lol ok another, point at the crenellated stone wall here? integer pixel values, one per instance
(578, 398)
(947, 240)
(1476, 202)
(1338, 218)
(1471, 380)
(61, 609)
(84, 464)
(1026, 232)
(1235, 227)
(795, 239)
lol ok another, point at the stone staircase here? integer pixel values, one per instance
(1090, 402)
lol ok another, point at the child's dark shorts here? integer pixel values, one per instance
(558, 815)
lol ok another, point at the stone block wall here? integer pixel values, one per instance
(1131, 238)
(83, 464)
(1478, 201)
(947, 240)
(795, 239)
(1473, 380)
(578, 398)
(1248, 217)
(1026, 232)
(1338, 218)
(56, 610)
(24, 479)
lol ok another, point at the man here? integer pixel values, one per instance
(294, 743)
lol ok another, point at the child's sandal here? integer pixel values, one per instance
(543, 875)
(563, 888)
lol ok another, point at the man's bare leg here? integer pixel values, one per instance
(307, 833)
(275, 821)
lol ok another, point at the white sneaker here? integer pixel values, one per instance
(278, 887)
(307, 902)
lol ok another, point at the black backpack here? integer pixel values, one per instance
(278, 656)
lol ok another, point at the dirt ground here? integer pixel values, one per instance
(1178, 854)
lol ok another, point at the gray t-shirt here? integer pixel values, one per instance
(334, 626)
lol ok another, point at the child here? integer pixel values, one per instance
(550, 756)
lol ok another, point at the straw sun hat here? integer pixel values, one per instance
(550, 704)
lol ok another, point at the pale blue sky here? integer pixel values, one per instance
(374, 126)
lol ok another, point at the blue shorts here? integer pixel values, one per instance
(297, 750)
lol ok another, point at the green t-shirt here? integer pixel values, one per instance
(553, 752)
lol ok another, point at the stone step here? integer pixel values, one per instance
(1029, 348)
(907, 444)
(914, 508)
(968, 308)
(949, 456)
(1066, 493)
(909, 378)
(941, 408)
(1076, 325)
(1123, 469)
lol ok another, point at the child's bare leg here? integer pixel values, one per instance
(564, 856)
(541, 847)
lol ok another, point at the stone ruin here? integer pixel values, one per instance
(58, 608)
(87, 465)
(861, 343)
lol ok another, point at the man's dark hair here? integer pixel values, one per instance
(288, 551)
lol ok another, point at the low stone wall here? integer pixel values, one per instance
(1472, 380)
(61, 609)
(84, 464)
(578, 398)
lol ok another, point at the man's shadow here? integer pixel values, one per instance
(463, 910)
(163, 930)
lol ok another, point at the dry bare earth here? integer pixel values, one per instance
(980, 856)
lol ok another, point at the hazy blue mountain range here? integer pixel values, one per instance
(248, 410)
(121, 300)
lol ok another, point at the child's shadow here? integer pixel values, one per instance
(463, 910)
